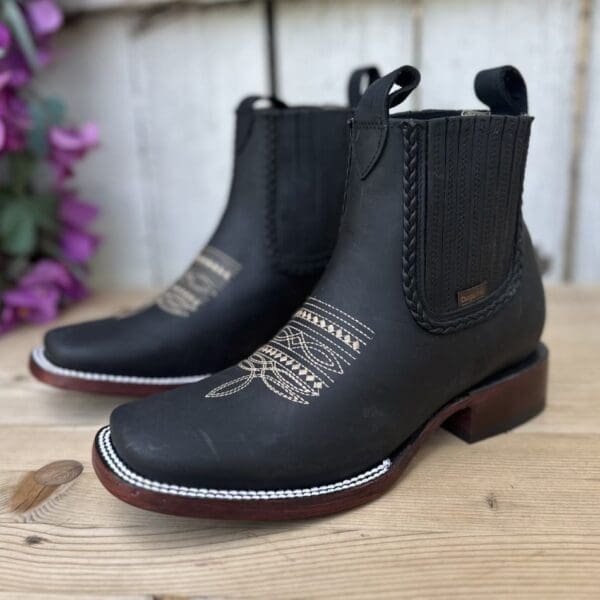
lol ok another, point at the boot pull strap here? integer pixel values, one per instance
(371, 117)
(245, 118)
(359, 81)
(503, 89)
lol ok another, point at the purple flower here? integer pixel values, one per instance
(44, 17)
(77, 245)
(8, 319)
(76, 212)
(51, 272)
(38, 304)
(14, 118)
(68, 145)
(4, 79)
(15, 64)
(5, 38)
(37, 297)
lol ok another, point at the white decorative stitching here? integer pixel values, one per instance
(330, 328)
(117, 466)
(204, 279)
(40, 359)
(315, 346)
(362, 326)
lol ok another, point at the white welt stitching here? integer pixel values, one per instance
(119, 468)
(40, 358)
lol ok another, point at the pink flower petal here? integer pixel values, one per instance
(76, 212)
(45, 271)
(34, 305)
(78, 246)
(44, 16)
(5, 37)
(90, 135)
(5, 78)
(65, 139)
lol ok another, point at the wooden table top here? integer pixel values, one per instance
(517, 515)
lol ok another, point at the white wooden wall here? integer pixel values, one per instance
(163, 85)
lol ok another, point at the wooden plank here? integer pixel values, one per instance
(587, 240)
(513, 516)
(464, 521)
(539, 37)
(319, 42)
(163, 91)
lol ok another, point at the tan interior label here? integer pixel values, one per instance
(472, 294)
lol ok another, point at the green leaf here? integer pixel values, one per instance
(20, 169)
(44, 114)
(44, 205)
(55, 110)
(37, 139)
(18, 232)
(45, 209)
(11, 13)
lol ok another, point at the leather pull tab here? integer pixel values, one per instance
(371, 117)
(359, 81)
(503, 89)
(245, 118)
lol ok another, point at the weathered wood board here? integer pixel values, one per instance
(318, 43)
(513, 516)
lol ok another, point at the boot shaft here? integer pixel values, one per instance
(459, 180)
(289, 180)
(288, 183)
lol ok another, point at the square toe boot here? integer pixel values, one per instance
(428, 315)
(269, 250)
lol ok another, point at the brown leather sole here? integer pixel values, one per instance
(97, 384)
(499, 404)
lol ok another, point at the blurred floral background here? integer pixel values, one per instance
(45, 241)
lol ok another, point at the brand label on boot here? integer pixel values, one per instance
(472, 294)
(306, 356)
(205, 278)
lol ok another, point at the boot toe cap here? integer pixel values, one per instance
(67, 347)
(160, 446)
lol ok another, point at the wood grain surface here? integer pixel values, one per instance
(515, 516)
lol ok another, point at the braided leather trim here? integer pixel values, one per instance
(466, 317)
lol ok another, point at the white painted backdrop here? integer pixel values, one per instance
(163, 78)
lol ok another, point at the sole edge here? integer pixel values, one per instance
(100, 383)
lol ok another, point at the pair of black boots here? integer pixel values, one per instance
(426, 311)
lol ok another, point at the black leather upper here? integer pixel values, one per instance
(272, 244)
(355, 372)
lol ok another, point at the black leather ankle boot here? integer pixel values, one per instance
(429, 314)
(272, 244)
